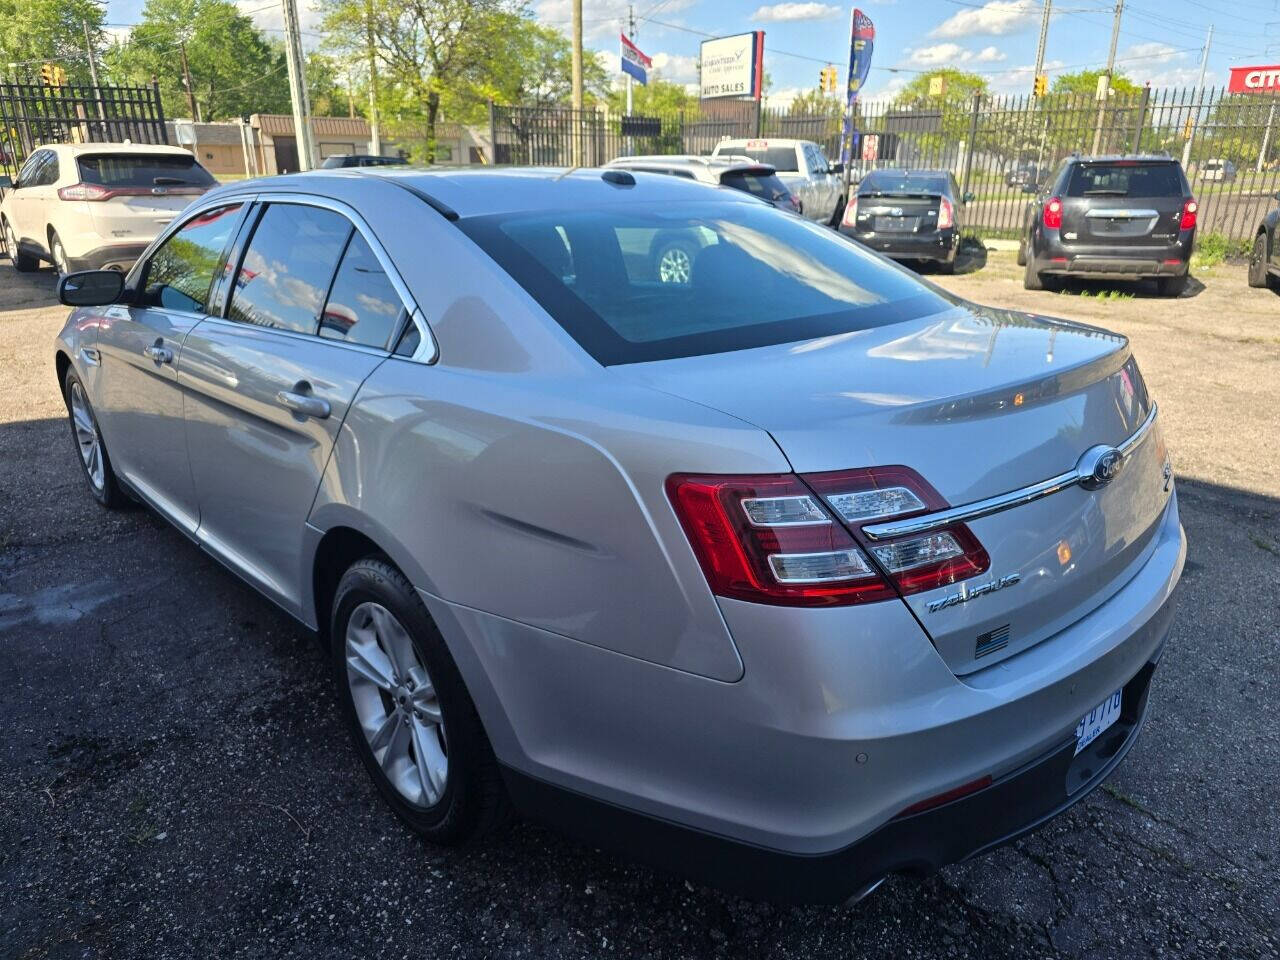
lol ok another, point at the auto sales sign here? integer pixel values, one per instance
(1255, 80)
(732, 66)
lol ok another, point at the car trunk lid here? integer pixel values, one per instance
(980, 403)
(898, 213)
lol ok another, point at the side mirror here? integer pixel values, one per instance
(6, 182)
(90, 288)
(837, 167)
(968, 197)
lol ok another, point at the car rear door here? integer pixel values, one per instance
(311, 314)
(1123, 203)
(139, 345)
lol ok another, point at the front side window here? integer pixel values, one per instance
(285, 274)
(27, 175)
(181, 271)
(652, 282)
(363, 306)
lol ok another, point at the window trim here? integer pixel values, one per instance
(135, 280)
(428, 351)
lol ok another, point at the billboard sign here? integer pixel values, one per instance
(634, 63)
(1255, 80)
(732, 66)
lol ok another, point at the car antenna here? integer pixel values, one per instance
(566, 173)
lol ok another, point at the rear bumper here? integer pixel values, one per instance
(116, 256)
(919, 844)
(940, 245)
(1056, 258)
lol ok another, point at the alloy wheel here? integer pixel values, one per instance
(674, 266)
(396, 704)
(87, 437)
(59, 257)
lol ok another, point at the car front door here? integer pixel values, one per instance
(23, 206)
(139, 347)
(268, 385)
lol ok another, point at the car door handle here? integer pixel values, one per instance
(303, 405)
(159, 353)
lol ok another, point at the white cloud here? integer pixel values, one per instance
(781, 99)
(675, 67)
(271, 20)
(602, 20)
(939, 55)
(1018, 79)
(997, 18)
(790, 12)
(1149, 53)
(990, 55)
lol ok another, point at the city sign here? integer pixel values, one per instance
(1255, 79)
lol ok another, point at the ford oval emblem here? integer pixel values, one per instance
(159, 191)
(1099, 466)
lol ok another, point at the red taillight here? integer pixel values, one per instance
(768, 539)
(798, 541)
(1053, 214)
(946, 214)
(1189, 211)
(962, 791)
(850, 218)
(85, 191)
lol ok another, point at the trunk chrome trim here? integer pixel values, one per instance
(1005, 501)
(1124, 213)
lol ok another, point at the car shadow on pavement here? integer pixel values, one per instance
(174, 758)
(1127, 289)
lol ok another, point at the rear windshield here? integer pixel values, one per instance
(1122, 179)
(888, 184)
(782, 159)
(764, 185)
(142, 170)
(646, 282)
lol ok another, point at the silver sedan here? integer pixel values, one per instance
(788, 572)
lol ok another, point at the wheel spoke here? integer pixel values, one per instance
(382, 736)
(431, 762)
(366, 660)
(81, 416)
(394, 640)
(397, 745)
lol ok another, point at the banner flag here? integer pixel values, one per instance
(634, 63)
(862, 41)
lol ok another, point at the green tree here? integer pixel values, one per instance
(234, 68)
(1086, 82)
(815, 103)
(657, 98)
(953, 107)
(328, 86)
(37, 31)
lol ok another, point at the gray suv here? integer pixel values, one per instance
(1111, 218)
(790, 576)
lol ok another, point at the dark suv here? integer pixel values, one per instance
(1110, 218)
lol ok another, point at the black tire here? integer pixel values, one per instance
(474, 801)
(1031, 279)
(108, 492)
(22, 262)
(837, 215)
(1258, 259)
(946, 267)
(1171, 286)
(58, 254)
(1022, 252)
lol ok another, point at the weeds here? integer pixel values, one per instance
(1215, 248)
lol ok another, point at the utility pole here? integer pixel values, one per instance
(298, 86)
(88, 48)
(631, 35)
(1104, 88)
(577, 84)
(186, 82)
(1044, 36)
(375, 137)
(1204, 65)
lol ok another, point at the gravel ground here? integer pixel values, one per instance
(175, 781)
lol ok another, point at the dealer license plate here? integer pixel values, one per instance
(1093, 723)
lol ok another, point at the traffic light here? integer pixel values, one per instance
(46, 74)
(1040, 86)
(59, 77)
(828, 79)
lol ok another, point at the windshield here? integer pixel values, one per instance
(886, 183)
(757, 184)
(645, 282)
(143, 170)
(1125, 179)
(782, 159)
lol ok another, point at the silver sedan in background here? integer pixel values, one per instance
(789, 574)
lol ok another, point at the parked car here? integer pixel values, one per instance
(1025, 173)
(1218, 171)
(1111, 218)
(95, 205)
(802, 166)
(911, 215)
(339, 160)
(737, 173)
(1264, 256)
(792, 577)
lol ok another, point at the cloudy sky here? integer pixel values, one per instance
(1160, 40)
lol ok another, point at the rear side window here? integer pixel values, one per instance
(143, 170)
(765, 185)
(657, 281)
(363, 306)
(180, 273)
(285, 274)
(1125, 179)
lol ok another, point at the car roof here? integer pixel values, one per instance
(764, 141)
(905, 172)
(77, 149)
(480, 191)
(1130, 157)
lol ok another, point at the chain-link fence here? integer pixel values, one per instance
(1001, 149)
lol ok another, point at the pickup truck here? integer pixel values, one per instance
(802, 167)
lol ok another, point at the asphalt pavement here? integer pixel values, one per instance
(175, 781)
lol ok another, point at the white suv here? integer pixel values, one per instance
(93, 206)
